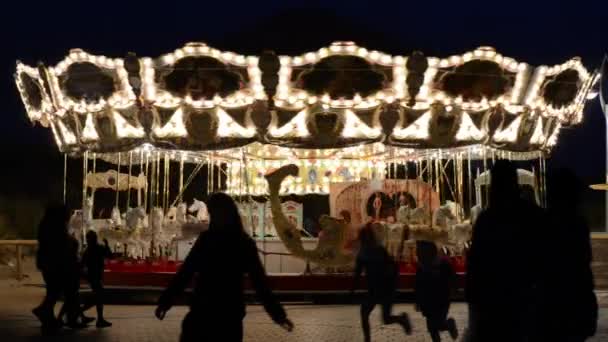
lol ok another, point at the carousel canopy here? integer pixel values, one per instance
(340, 101)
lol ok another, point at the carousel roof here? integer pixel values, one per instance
(332, 101)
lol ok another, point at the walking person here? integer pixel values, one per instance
(569, 308)
(221, 257)
(57, 260)
(504, 262)
(382, 275)
(93, 260)
(434, 284)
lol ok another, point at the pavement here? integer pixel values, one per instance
(331, 323)
(339, 323)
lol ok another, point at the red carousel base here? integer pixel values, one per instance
(157, 274)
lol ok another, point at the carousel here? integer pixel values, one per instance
(401, 142)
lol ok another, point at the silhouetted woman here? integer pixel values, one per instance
(221, 257)
(57, 260)
(569, 309)
(504, 262)
(382, 276)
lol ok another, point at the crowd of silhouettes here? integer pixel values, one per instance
(528, 275)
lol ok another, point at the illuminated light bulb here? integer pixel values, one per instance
(455, 60)
(298, 61)
(323, 52)
(310, 57)
(399, 60)
(386, 59)
(374, 56)
(362, 52)
(444, 63)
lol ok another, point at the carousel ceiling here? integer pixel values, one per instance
(330, 101)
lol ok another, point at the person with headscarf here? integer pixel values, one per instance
(221, 257)
(57, 260)
(382, 275)
(569, 309)
(504, 262)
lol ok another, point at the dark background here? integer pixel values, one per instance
(534, 32)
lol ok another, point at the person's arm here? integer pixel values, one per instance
(259, 280)
(180, 280)
(107, 252)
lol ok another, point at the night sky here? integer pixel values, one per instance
(532, 32)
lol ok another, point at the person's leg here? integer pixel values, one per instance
(388, 317)
(98, 294)
(366, 309)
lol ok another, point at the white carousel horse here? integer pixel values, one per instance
(200, 208)
(134, 218)
(460, 235)
(418, 216)
(403, 214)
(445, 216)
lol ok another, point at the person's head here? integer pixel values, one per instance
(91, 238)
(426, 251)
(54, 223)
(564, 188)
(367, 236)
(504, 188)
(223, 213)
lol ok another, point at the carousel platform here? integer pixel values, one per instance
(157, 274)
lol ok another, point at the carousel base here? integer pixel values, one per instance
(158, 275)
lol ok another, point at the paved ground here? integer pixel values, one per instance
(136, 323)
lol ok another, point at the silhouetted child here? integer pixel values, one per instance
(382, 277)
(93, 260)
(434, 283)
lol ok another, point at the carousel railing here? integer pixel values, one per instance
(19, 253)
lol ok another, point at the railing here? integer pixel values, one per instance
(19, 251)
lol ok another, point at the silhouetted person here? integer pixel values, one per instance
(434, 283)
(221, 257)
(382, 275)
(93, 260)
(504, 262)
(57, 260)
(569, 307)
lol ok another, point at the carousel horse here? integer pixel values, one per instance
(200, 208)
(134, 218)
(460, 235)
(418, 215)
(445, 216)
(330, 249)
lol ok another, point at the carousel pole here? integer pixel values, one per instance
(118, 181)
(93, 190)
(544, 180)
(129, 180)
(157, 187)
(65, 178)
(181, 176)
(147, 187)
(470, 180)
(141, 163)
(166, 183)
(85, 171)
